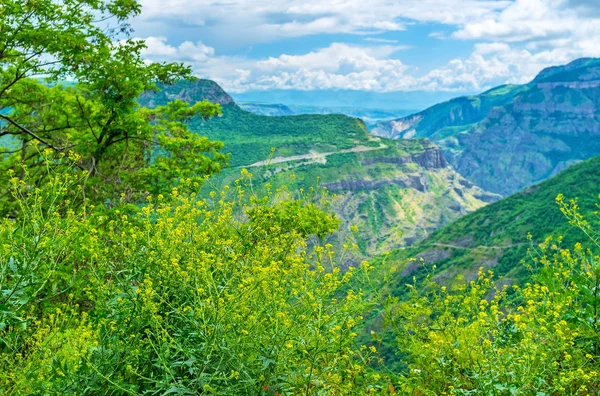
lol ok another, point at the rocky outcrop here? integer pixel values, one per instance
(411, 181)
(431, 158)
(191, 92)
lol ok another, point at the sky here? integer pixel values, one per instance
(368, 45)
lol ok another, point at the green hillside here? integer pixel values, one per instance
(512, 137)
(496, 236)
(249, 137)
(395, 192)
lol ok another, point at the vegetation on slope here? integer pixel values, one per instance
(483, 337)
(184, 295)
(250, 137)
(395, 191)
(161, 290)
(499, 235)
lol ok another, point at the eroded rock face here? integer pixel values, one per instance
(431, 158)
(410, 181)
(525, 143)
(512, 137)
(190, 92)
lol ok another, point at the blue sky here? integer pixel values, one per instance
(369, 45)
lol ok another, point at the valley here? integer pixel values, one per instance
(395, 192)
(299, 198)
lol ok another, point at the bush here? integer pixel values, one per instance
(182, 295)
(541, 338)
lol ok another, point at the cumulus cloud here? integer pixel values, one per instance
(529, 35)
(265, 20)
(511, 41)
(157, 48)
(338, 66)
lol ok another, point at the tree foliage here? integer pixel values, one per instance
(121, 147)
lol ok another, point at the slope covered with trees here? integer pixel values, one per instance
(123, 272)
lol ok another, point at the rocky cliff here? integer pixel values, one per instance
(188, 91)
(514, 136)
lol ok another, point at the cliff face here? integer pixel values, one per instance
(187, 91)
(396, 193)
(530, 132)
(430, 158)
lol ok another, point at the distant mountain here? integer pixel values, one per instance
(267, 109)
(346, 98)
(513, 136)
(371, 117)
(396, 192)
(496, 236)
(190, 92)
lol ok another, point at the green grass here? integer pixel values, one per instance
(249, 137)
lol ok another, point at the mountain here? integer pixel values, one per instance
(371, 117)
(396, 192)
(267, 109)
(190, 92)
(346, 98)
(496, 236)
(514, 136)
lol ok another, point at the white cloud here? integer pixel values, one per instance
(512, 41)
(532, 34)
(339, 66)
(157, 48)
(267, 20)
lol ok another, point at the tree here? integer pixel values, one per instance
(123, 149)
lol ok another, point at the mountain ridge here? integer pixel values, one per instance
(513, 136)
(498, 236)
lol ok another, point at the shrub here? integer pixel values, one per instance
(182, 295)
(541, 338)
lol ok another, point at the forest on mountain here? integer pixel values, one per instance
(141, 254)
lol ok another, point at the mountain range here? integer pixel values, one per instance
(394, 191)
(514, 136)
(427, 170)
